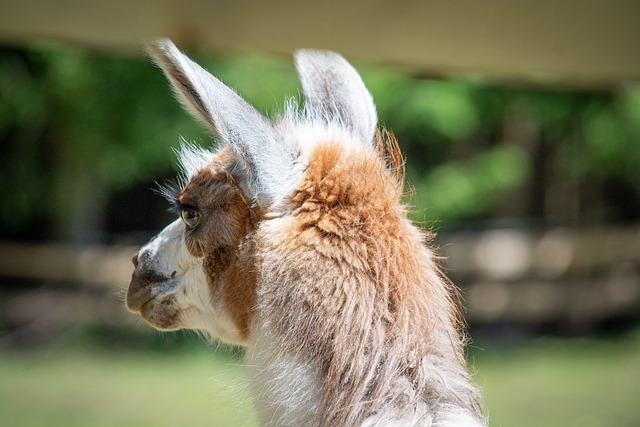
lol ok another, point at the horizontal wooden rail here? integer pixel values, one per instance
(590, 43)
(578, 276)
(94, 265)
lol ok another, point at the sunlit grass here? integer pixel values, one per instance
(545, 383)
(582, 383)
(119, 389)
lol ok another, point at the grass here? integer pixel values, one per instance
(585, 383)
(90, 389)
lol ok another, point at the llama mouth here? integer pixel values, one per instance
(144, 288)
(161, 313)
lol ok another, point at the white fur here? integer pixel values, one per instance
(167, 252)
(285, 388)
(456, 417)
(192, 158)
(453, 417)
(168, 255)
(335, 97)
(237, 123)
(334, 91)
(306, 129)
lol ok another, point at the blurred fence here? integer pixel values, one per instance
(576, 278)
(49, 290)
(95, 265)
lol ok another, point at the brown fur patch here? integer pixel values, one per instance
(240, 288)
(389, 150)
(350, 286)
(220, 237)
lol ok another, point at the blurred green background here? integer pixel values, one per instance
(534, 191)
(82, 131)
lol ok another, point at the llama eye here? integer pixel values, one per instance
(190, 217)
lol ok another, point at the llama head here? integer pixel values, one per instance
(178, 275)
(199, 273)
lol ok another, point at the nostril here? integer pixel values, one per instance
(135, 260)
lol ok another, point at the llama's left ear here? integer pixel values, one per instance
(335, 92)
(267, 161)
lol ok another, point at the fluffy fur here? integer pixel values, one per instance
(312, 265)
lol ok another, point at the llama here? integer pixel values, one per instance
(293, 242)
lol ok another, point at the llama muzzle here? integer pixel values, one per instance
(143, 286)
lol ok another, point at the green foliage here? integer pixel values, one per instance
(112, 116)
(471, 187)
(77, 128)
(612, 137)
(436, 107)
(263, 81)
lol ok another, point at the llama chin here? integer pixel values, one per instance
(292, 241)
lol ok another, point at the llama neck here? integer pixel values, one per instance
(288, 390)
(285, 387)
(327, 355)
(355, 321)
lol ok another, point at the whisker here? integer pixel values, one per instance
(169, 189)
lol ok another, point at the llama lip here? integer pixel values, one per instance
(136, 298)
(145, 286)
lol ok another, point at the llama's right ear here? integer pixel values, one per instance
(267, 161)
(334, 91)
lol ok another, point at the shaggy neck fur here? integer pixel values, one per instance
(370, 318)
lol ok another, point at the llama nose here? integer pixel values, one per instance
(142, 287)
(135, 259)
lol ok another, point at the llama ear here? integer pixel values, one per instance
(334, 91)
(266, 160)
